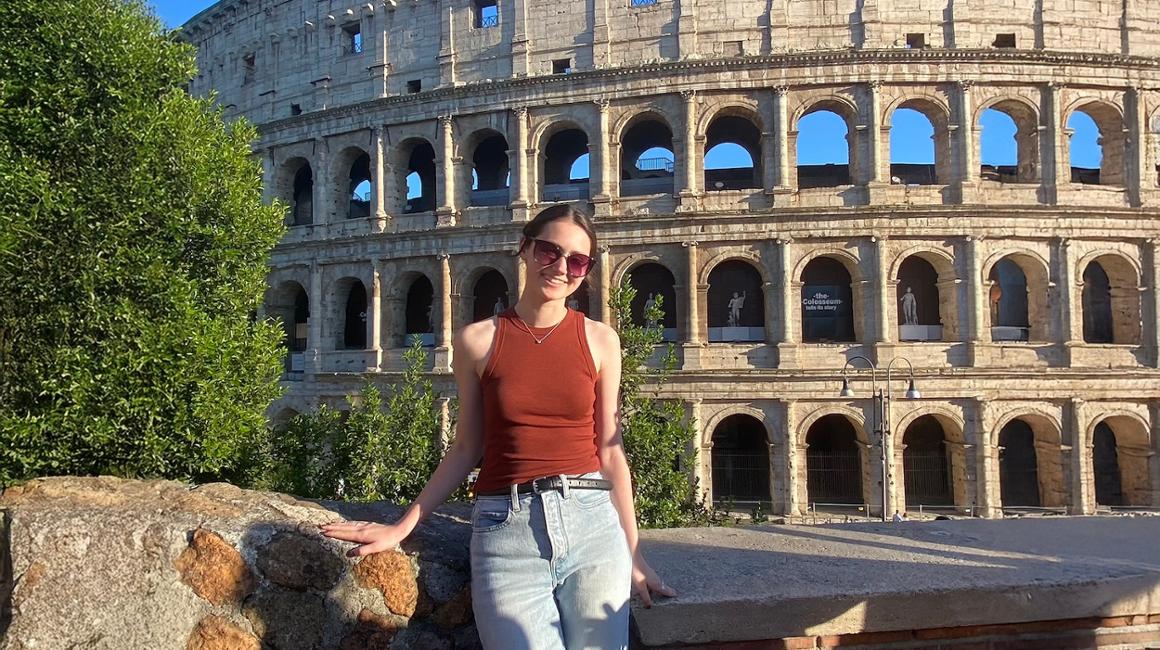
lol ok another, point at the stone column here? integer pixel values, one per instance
(1136, 149)
(269, 193)
(445, 213)
(443, 343)
(375, 317)
(1151, 332)
(605, 266)
(601, 50)
(692, 309)
(518, 163)
(968, 166)
(1154, 457)
(1083, 495)
(987, 479)
(794, 460)
(446, 423)
(689, 146)
(1070, 327)
(786, 177)
(702, 474)
(1052, 149)
(768, 110)
(883, 290)
(378, 176)
(790, 305)
(603, 182)
(447, 54)
(874, 159)
(521, 63)
(323, 210)
(977, 332)
(687, 28)
(317, 313)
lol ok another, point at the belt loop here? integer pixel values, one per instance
(515, 497)
(564, 485)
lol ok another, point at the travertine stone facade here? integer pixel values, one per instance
(378, 92)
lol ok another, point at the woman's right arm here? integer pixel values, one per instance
(468, 352)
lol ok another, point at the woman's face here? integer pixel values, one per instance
(552, 281)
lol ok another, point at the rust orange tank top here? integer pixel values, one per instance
(539, 403)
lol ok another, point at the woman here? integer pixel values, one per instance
(554, 540)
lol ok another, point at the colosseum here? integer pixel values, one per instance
(857, 334)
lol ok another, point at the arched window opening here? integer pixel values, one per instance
(355, 317)
(1097, 305)
(740, 461)
(417, 170)
(918, 301)
(912, 148)
(580, 171)
(926, 464)
(1008, 299)
(302, 210)
(833, 463)
(827, 302)
(290, 304)
(736, 303)
(420, 321)
(491, 177)
(563, 151)
(823, 150)
(1095, 142)
(1106, 466)
(1018, 466)
(491, 295)
(654, 285)
(1009, 143)
(732, 154)
(647, 160)
(360, 188)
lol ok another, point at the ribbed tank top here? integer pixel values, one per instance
(539, 403)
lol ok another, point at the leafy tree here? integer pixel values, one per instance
(376, 451)
(133, 250)
(657, 434)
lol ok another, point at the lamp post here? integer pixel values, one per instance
(881, 415)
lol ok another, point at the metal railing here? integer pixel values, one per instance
(489, 21)
(566, 191)
(741, 477)
(843, 512)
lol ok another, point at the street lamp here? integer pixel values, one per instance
(881, 414)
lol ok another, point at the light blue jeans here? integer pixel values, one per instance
(550, 571)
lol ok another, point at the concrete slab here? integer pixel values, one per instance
(771, 581)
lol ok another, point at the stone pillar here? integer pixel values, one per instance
(1070, 323)
(521, 62)
(786, 177)
(768, 111)
(686, 28)
(378, 176)
(605, 266)
(1136, 149)
(447, 54)
(790, 304)
(874, 159)
(601, 50)
(269, 192)
(375, 317)
(795, 456)
(446, 423)
(1151, 332)
(692, 339)
(1083, 486)
(689, 148)
(601, 177)
(987, 479)
(977, 332)
(1154, 452)
(1052, 148)
(518, 163)
(445, 213)
(521, 282)
(323, 210)
(883, 290)
(316, 315)
(702, 469)
(967, 165)
(444, 340)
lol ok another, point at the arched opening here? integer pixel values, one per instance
(564, 149)
(283, 418)
(646, 158)
(1018, 466)
(654, 284)
(824, 146)
(732, 154)
(420, 322)
(736, 303)
(833, 463)
(360, 188)
(354, 320)
(491, 295)
(1106, 466)
(416, 165)
(1111, 302)
(1008, 299)
(490, 174)
(740, 461)
(926, 464)
(917, 144)
(1095, 142)
(1122, 451)
(1009, 143)
(580, 299)
(290, 304)
(827, 302)
(302, 195)
(918, 301)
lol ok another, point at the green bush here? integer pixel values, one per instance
(133, 250)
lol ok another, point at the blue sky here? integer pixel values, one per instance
(911, 142)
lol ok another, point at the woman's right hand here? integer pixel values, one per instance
(370, 537)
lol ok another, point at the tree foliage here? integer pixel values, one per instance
(657, 435)
(378, 450)
(133, 249)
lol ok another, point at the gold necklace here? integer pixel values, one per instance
(528, 329)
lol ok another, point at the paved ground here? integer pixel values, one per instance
(776, 581)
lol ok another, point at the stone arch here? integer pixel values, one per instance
(289, 302)
(748, 256)
(735, 312)
(560, 144)
(1109, 120)
(829, 174)
(638, 134)
(1133, 456)
(406, 316)
(743, 108)
(1024, 113)
(837, 467)
(1050, 473)
(294, 184)
(414, 155)
(944, 290)
(485, 149)
(712, 421)
(661, 278)
(465, 286)
(740, 460)
(350, 168)
(738, 125)
(1037, 309)
(1121, 304)
(283, 417)
(830, 306)
(1153, 151)
(854, 415)
(936, 111)
(849, 260)
(351, 310)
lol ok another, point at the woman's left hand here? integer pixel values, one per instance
(645, 581)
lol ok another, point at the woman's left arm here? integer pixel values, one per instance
(613, 462)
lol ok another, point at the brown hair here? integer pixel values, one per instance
(533, 228)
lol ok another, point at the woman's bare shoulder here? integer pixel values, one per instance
(474, 341)
(602, 339)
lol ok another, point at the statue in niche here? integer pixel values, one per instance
(996, 295)
(430, 317)
(909, 308)
(499, 307)
(736, 304)
(648, 306)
